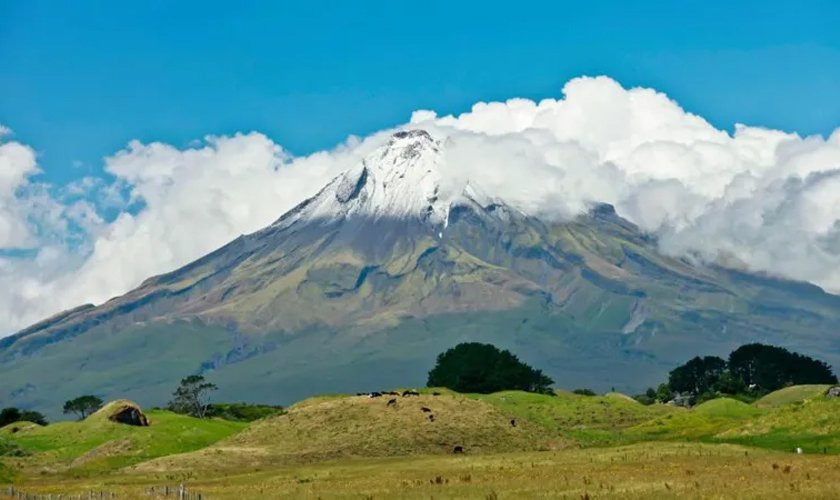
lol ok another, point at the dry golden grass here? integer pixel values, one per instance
(359, 426)
(646, 470)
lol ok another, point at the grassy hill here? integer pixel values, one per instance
(812, 424)
(97, 445)
(587, 420)
(330, 428)
(793, 394)
(701, 422)
(360, 446)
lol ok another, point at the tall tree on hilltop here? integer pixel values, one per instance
(192, 397)
(83, 406)
(483, 368)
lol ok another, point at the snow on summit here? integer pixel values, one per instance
(399, 180)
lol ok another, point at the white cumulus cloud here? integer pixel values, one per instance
(766, 198)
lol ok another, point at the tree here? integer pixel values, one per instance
(646, 398)
(11, 415)
(192, 397)
(35, 417)
(697, 376)
(83, 406)
(771, 368)
(483, 368)
(729, 383)
(664, 393)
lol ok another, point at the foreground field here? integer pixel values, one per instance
(644, 470)
(442, 444)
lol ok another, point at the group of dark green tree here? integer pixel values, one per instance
(749, 372)
(484, 368)
(192, 397)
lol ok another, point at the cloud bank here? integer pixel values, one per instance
(765, 199)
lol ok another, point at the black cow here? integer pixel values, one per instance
(431, 418)
(435, 394)
(513, 423)
(410, 393)
(458, 449)
(375, 395)
(425, 410)
(392, 402)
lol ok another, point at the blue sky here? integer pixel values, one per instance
(78, 80)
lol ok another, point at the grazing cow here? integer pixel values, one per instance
(513, 422)
(798, 451)
(375, 395)
(431, 418)
(435, 394)
(425, 410)
(392, 402)
(410, 393)
(458, 449)
(391, 393)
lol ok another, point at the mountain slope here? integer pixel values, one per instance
(388, 265)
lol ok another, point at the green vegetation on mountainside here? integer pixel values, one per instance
(282, 315)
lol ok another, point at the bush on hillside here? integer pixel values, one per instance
(646, 398)
(584, 392)
(242, 412)
(10, 449)
(483, 368)
(10, 415)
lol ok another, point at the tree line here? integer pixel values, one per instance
(750, 371)
(191, 397)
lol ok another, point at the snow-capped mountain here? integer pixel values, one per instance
(401, 180)
(364, 283)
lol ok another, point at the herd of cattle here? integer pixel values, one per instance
(379, 394)
(408, 393)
